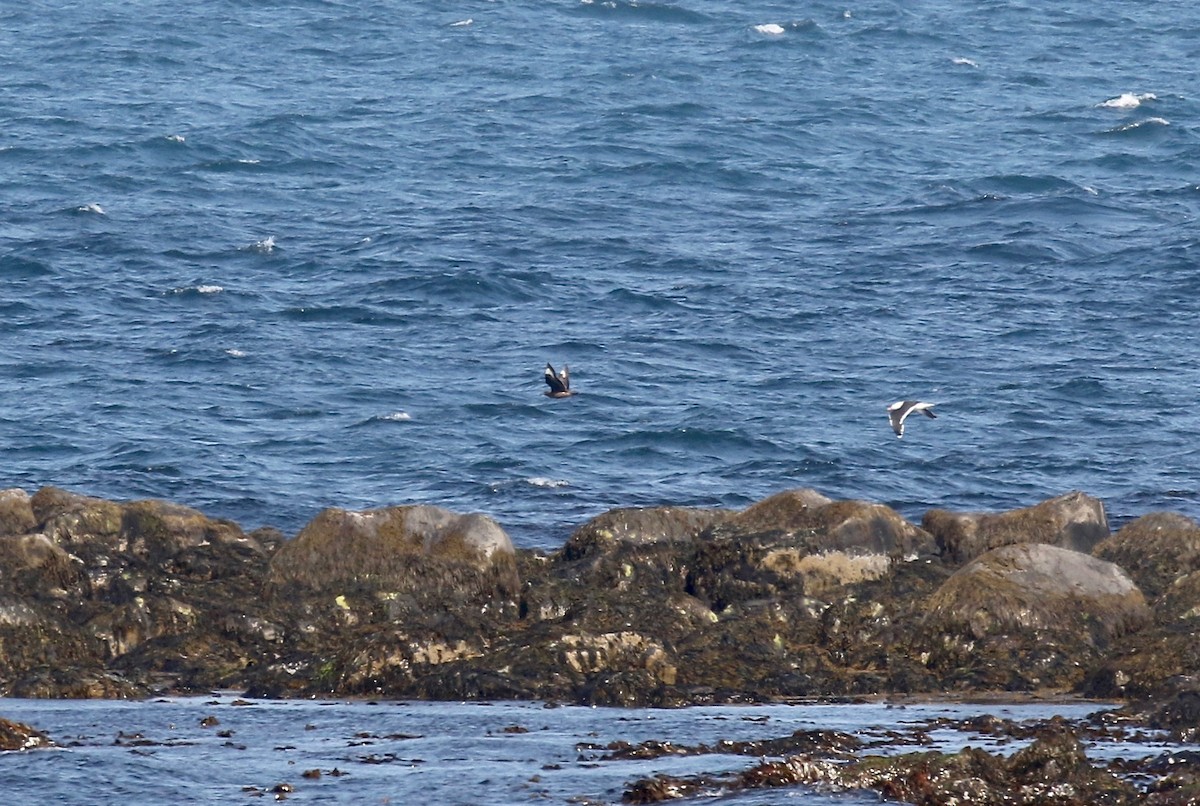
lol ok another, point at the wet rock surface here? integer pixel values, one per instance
(1053, 768)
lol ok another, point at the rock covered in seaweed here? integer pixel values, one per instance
(1052, 607)
(101, 583)
(1073, 520)
(640, 526)
(1053, 769)
(411, 549)
(1158, 550)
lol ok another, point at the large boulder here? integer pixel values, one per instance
(1158, 551)
(1027, 616)
(415, 549)
(1034, 588)
(639, 526)
(814, 523)
(1072, 521)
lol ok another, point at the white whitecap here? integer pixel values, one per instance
(965, 62)
(91, 208)
(235, 353)
(1128, 100)
(770, 29)
(541, 481)
(176, 138)
(209, 289)
(266, 245)
(462, 23)
(396, 417)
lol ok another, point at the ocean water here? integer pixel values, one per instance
(457, 753)
(267, 256)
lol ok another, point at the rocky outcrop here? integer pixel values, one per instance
(1073, 521)
(17, 736)
(814, 523)
(794, 596)
(415, 549)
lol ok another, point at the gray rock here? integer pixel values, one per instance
(1035, 588)
(1073, 521)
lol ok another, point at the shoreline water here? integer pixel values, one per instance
(477, 752)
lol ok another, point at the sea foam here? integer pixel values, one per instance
(1128, 100)
(541, 481)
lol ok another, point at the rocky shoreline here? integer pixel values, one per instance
(796, 596)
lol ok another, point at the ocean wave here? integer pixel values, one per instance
(1127, 100)
(1140, 125)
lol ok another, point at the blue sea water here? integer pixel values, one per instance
(266, 256)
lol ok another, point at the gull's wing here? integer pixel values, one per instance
(926, 409)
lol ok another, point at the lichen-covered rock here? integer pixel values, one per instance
(1073, 521)
(418, 548)
(640, 525)
(18, 736)
(16, 515)
(1157, 550)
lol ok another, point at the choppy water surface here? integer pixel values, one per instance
(390, 752)
(265, 257)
